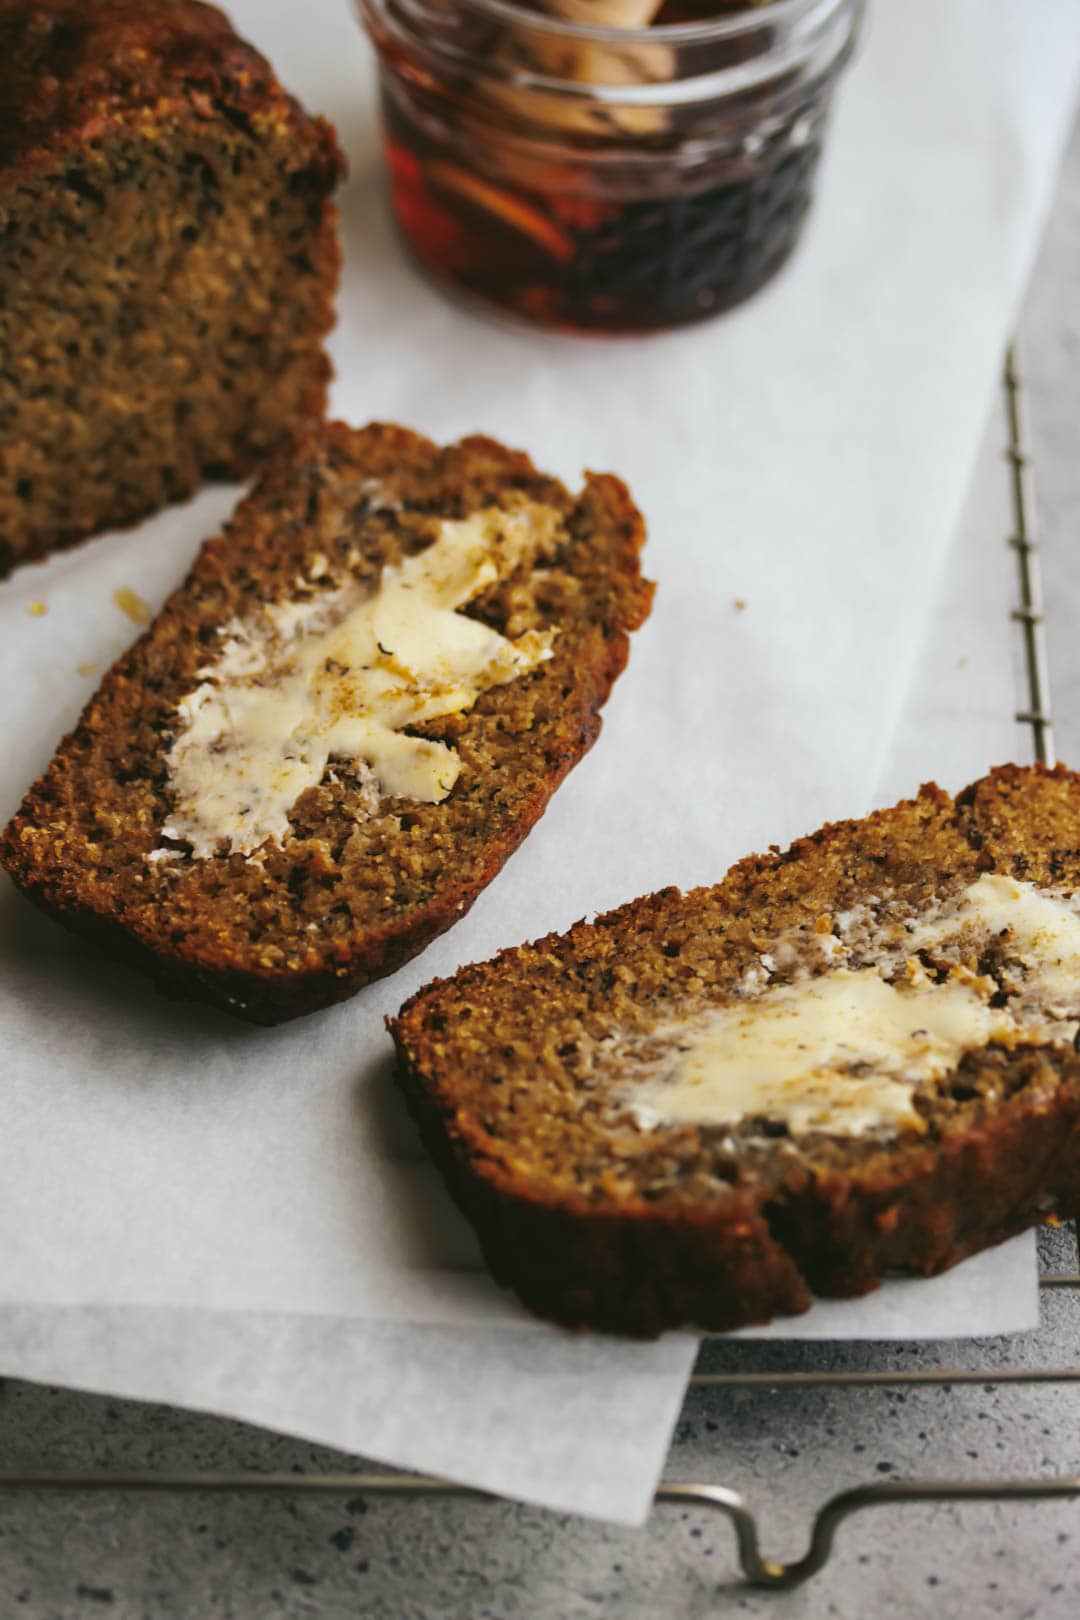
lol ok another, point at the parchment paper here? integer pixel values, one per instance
(241, 1220)
(957, 720)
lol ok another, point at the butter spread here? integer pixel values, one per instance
(1043, 937)
(340, 672)
(842, 1050)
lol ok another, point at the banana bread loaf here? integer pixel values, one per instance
(343, 722)
(167, 262)
(854, 1057)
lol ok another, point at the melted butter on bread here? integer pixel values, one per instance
(843, 1050)
(343, 672)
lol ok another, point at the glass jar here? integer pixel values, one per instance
(599, 178)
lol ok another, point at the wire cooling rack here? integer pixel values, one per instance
(756, 1568)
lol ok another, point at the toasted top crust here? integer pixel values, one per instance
(72, 69)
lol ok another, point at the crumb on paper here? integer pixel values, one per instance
(87, 669)
(739, 604)
(962, 663)
(131, 603)
(38, 608)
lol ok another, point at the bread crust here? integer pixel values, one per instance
(637, 1256)
(71, 70)
(87, 867)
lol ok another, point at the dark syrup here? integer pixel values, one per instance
(571, 256)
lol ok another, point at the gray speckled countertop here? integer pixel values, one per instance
(161, 1557)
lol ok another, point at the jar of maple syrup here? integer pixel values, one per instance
(592, 177)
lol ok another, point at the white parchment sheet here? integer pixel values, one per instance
(956, 720)
(195, 1211)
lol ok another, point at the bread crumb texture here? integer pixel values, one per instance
(360, 880)
(131, 605)
(527, 1075)
(168, 258)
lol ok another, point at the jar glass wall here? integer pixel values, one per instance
(599, 178)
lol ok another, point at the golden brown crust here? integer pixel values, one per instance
(152, 164)
(640, 1231)
(348, 897)
(71, 69)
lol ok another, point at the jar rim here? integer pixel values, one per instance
(815, 38)
(813, 14)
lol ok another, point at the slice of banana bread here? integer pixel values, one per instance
(167, 262)
(851, 1058)
(342, 724)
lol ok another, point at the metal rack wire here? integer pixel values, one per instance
(756, 1568)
